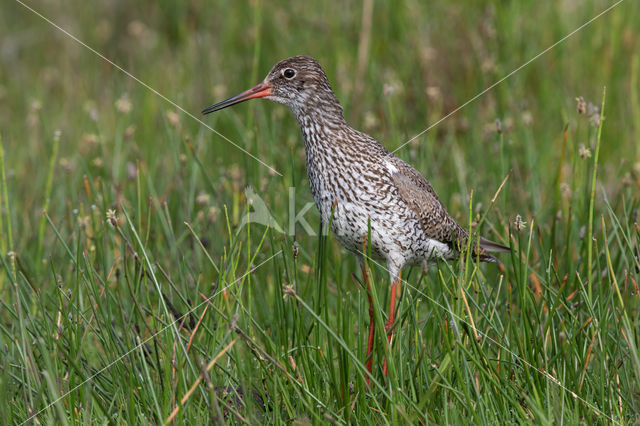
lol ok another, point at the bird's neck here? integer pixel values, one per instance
(320, 118)
(322, 112)
(321, 129)
(318, 107)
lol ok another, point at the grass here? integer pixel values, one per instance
(130, 292)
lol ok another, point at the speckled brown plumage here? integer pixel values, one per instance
(354, 172)
(355, 181)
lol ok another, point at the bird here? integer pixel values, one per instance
(371, 199)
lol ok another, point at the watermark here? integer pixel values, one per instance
(261, 214)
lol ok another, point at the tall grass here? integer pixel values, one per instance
(131, 294)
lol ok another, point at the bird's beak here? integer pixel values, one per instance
(259, 91)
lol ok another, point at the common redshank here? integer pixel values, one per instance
(360, 187)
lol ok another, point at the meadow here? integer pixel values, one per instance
(133, 289)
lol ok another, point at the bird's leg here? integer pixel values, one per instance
(369, 357)
(395, 289)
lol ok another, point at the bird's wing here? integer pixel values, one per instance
(420, 196)
(436, 222)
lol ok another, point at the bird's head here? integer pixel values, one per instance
(298, 82)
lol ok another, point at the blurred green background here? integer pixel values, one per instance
(397, 67)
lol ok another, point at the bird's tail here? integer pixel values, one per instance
(493, 247)
(486, 247)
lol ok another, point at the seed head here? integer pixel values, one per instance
(66, 165)
(389, 89)
(128, 132)
(173, 118)
(112, 219)
(83, 221)
(212, 213)
(582, 105)
(123, 105)
(35, 105)
(433, 93)
(584, 152)
(519, 224)
(202, 199)
(88, 141)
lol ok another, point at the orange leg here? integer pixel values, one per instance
(395, 289)
(371, 327)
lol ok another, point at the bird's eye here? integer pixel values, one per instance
(289, 73)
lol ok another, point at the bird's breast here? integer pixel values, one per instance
(353, 195)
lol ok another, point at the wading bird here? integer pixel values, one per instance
(361, 188)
